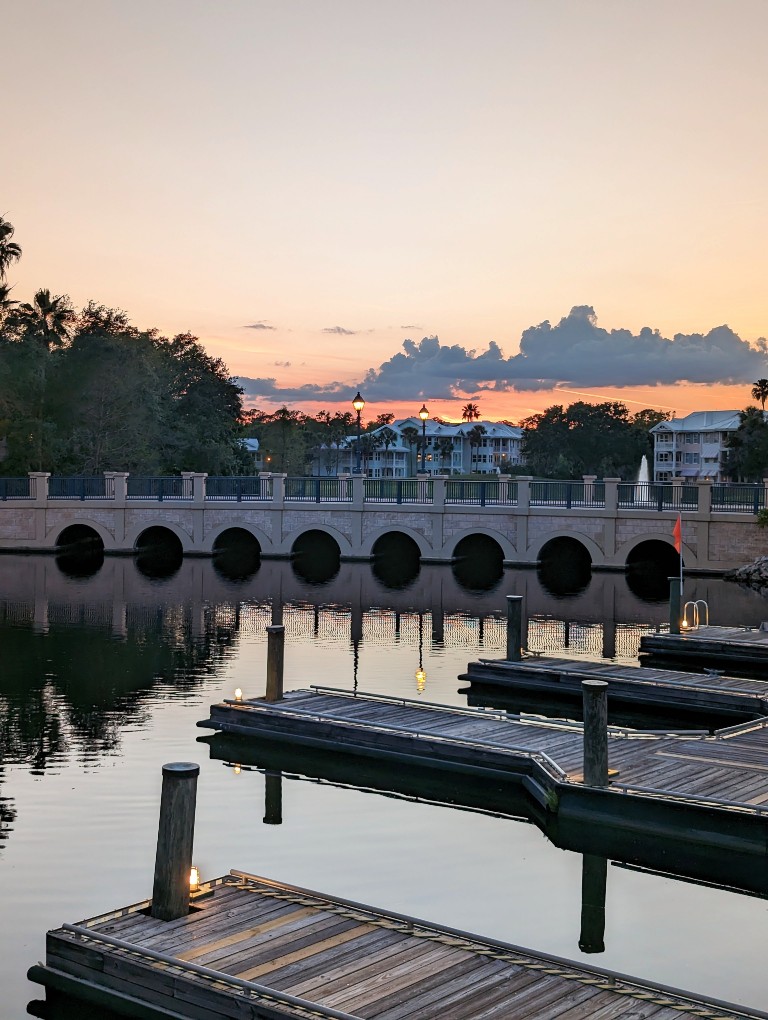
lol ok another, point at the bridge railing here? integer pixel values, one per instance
(481, 493)
(16, 488)
(657, 496)
(737, 498)
(398, 490)
(238, 488)
(160, 488)
(318, 490)
(568, 494)
(81, 487)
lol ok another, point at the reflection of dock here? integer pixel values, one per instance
(738, 650)
(262, 949)
(629, 686)
(713, 791)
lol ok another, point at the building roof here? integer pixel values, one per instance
(493, 429)
(702, 421)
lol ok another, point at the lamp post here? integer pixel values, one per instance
(423, 414)
(358, 403)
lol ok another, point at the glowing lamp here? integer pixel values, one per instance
(238, 694)
(358, 403)
(423, 413)
(194, 879)
(421, 679)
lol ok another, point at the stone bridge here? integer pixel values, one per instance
(609, 519)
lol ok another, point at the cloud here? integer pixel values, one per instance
(575, 352)
(410, 327)
(259, 325)
(282, 364)
(340, 331)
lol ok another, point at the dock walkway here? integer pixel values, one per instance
(629, 685)
(257, 948)
(692, 787)
(737, 650)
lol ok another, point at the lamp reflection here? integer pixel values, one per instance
(421, 673)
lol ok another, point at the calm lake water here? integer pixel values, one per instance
(105, 675)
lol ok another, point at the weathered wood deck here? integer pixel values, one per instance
(629, 685)
(716, 787)
(736, 650)
(261, 949)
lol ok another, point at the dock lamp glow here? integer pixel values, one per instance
(423, 414)
(358, 403)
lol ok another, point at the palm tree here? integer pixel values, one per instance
(50, 319)
(470, 412)
(444, 449)
(9, 250)
(387, 438)
(410, 436)
(475, 437)
(760, 392)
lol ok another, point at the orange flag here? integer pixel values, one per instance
(677, 534)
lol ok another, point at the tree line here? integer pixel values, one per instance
(84, 392)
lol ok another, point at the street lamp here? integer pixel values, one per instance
(423, 414)
(358, 403)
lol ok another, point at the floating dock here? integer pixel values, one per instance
(740, 651)
(711, 791)
(256, 948)
(631, 687)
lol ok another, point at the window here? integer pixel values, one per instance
(663, 437)
(692, 437)
(664, 457)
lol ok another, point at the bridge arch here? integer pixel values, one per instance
(265, 542)
(449, 547)
(425, 549)
(285, 548)
(595, 552)
(54, 534)
(133, 537)
(624, 551)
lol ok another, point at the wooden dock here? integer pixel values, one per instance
(708, 790)
(256, 948)
(652, 690)
(740, 651)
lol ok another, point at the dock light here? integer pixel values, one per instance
(194, 879)
(237, 769)
(238, 694)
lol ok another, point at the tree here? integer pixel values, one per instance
(410, 436)
(381, 419)
(48, 319)
(10, 251)
(475, 437)
(747, 447)
(470, 412)
(760, 392)
(445, 448)
(596, 439)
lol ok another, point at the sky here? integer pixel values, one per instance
(511, 202)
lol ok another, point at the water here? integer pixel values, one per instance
(105, 676)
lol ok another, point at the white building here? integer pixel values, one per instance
(694, 446)
(448, 451)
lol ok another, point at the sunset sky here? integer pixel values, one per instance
(313, 187)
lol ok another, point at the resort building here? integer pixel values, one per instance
(694, 446)
(395, 451)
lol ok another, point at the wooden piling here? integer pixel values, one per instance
(594, 878)
(273, 798)
(674, 605)
(595, 696)
(514, 627)
(175, 834)
(275, 662)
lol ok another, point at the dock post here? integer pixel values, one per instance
(175, 833)
(275, 660)
(594, 877)
(514, 627)
(273, 798)
(674, 605)
(595, 695)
